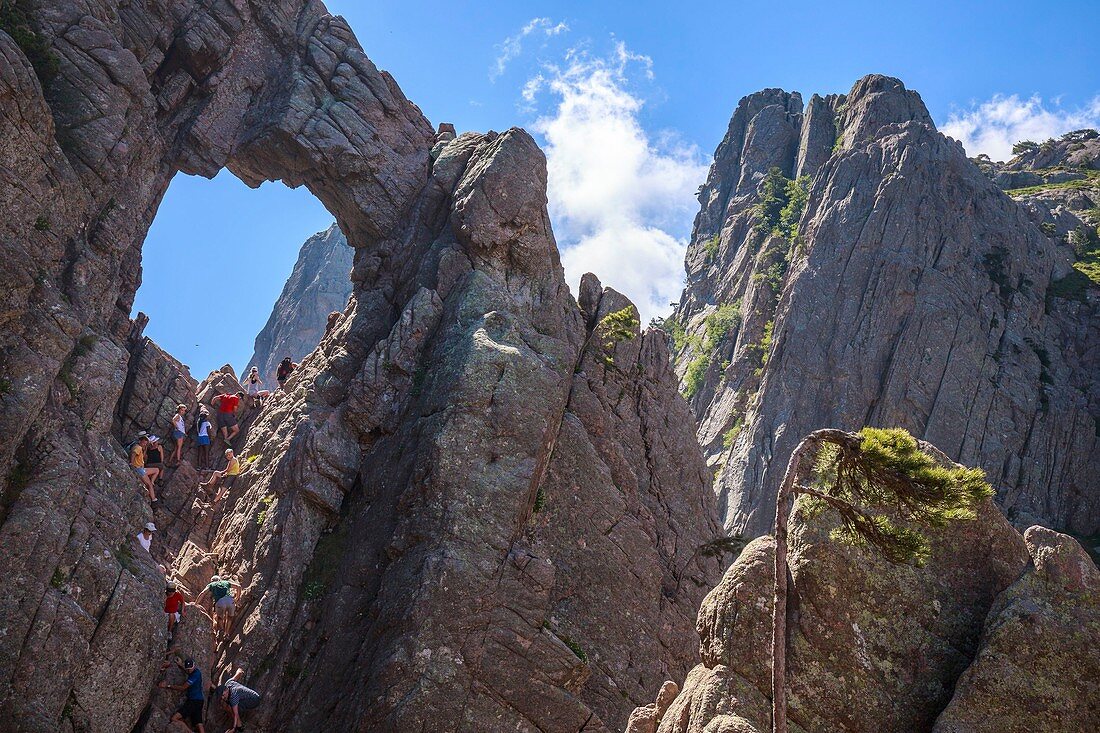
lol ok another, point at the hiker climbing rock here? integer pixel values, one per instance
(202, 429)
(145, 536)
(179, 431)
(173, 606)
(223, 479)
(137, 465)
(221, 591)
(154, 455)
(227, 414)
(286, 367)
(190, 710)
(235, 699)
(255, 387)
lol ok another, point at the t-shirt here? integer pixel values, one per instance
(204, 428)
(194, 685)
(241, 695)
(144, 541)
(219, 589)
(137, 456)
(228, 403)
(233, 468)
(172, 602)
(284, 370)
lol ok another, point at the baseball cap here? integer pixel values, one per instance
(150, 526)
(188, 663)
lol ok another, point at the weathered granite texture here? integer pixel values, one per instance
(994, 633)
(471, 507)
(912, 293)
(477, 506)
(318, 286)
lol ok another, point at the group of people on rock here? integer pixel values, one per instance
(234, 697)
(148, 463)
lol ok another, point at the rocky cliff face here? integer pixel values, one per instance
(993, 634)
(479, 504)
(318, 286)
(876, 276)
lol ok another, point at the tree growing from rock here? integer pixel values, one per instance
(885, 487)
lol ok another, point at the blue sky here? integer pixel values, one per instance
(629, 100)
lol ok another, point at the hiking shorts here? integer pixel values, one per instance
(138, 471)
(177, 435)
(225, 603)
(191, 711)
(204, 440)
(227, 419)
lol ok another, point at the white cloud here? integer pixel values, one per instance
(512, 46)
(622, 201)
(994, 126)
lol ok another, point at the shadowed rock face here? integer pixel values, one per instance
(913, 293)
(319, 285)
(477, 506)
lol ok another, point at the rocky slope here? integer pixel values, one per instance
(992, 635)
(319, 285)
(876, 276)
(460, 492)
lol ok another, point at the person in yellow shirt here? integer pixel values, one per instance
(224, 479)
(137, 464)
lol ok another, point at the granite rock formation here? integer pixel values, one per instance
(878, 277)
(994, 633)
(319, 285)
(459, 493)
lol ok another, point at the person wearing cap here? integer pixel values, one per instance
(236, 698)
(224, 479)
(145, 536)
(179, 432)
(173, 606)
(221, 590)
(137, 465)
(154, 455)
(190, 711)
(203, 428)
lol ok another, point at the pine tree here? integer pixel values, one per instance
(884, 487)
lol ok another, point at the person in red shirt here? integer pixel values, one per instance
(173, 606)
(227, 415)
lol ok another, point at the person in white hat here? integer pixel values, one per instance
(145, 536)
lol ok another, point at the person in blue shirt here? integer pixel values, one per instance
(190, 711)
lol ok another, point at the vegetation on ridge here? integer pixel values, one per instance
(884, 487)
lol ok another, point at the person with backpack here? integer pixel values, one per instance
(236, 698)
(203, 428)
(286, 368)
(179, 431)
(227, 414)
(221, 591)
(190, 711)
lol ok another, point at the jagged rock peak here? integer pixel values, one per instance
(895, 286)
(318, 286)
